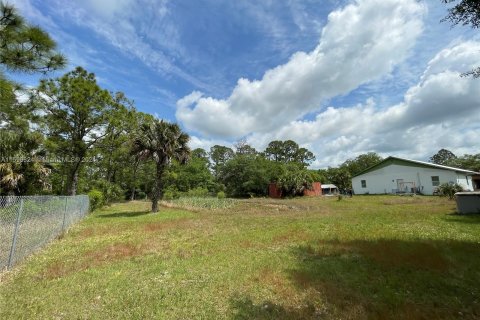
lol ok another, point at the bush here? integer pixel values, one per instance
(170, 193)
(294, 180)
(221, 195)
(140, 195)
(96, 199)
(449, 190)
(111, 192)
(198, 192)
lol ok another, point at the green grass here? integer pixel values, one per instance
(369, 257)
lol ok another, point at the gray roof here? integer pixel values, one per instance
(329, 186)
(413, 162)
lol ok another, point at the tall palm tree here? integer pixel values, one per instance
(162, 142)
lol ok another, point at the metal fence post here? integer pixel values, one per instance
(64, 213)
(15, 234)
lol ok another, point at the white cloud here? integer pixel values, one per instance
(138, 29)
(109, 8)
(359, 44)
(206, 144)
(441, 111)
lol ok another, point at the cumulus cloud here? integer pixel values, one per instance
(360, 43)
(206, 144)
(442, 110)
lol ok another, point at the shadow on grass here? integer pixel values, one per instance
(390, 279)
(472, 218)
(245, 308)
(124, 214)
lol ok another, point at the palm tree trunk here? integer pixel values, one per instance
(157, 192)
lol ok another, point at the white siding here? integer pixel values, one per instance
(465, 182)
(384, 180)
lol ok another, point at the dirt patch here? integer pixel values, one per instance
(281, 286)
(93, 258)
(246, 244)
(113, 252)
(98, 231)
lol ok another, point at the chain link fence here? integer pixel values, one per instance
(27, 223)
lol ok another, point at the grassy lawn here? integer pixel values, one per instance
(369, 257)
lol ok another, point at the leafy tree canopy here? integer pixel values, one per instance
(219, 156)
(242, 147)
(194, 174)
(295, 179)
(288, 151)
(23, 47)
(467, 162)
(77, 112)
(443, 157)
(362, 162)
(465, 12)
(246, 175)
(340, 177)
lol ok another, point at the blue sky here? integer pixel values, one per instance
(339, 77)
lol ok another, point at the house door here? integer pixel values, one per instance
(400, 185)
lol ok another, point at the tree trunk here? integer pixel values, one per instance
(157, 192)
(132, 196)
(109, 167)
(72, 183)
(134, 178)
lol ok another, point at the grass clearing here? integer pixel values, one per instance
(368, 257)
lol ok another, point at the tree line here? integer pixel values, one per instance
(448, 158)
(68, 135)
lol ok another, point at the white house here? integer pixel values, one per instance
(397, 175)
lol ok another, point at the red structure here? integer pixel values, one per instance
(315, 191)
(275, 192)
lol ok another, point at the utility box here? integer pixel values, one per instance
(468, 202)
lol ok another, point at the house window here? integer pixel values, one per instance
(466, 177)
(435, 181)
(364, 183)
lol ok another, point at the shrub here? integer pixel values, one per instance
(170, 193)
(141, 195)
(221, 195)
(449, 190)
(96, 199)
(294, 180)
(198, 192)
(111, 192)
